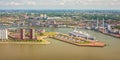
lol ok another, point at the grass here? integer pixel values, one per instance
(84, 42)
(41, 40)
(48, 34)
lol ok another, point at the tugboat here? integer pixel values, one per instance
(81, 34)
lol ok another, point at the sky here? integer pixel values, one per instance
(60, 4)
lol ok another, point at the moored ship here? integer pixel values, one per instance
(81, 34)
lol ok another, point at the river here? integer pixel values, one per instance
(58, 50)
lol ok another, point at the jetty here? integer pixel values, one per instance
(78, 41)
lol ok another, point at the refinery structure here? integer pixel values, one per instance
(3, 34)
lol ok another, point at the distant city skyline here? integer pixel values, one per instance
(60, 4)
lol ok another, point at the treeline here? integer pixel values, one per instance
(101, 16)
(117, 27)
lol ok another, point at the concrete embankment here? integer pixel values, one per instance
(36, 43)
(91, 44)
(110, 34)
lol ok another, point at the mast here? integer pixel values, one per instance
(97, 23)
(75, 29)
(103, 23)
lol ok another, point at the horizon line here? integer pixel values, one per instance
(59, 9)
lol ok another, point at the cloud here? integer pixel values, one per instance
(62, 3)
(31, 3)
(78, 4)
(18, 3)
(15, 3)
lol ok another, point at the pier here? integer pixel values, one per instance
(78, 41)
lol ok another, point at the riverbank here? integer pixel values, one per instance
(95, 44)
(34, 43)
(113, 35)
(14, 39)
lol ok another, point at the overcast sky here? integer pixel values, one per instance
(60, 4)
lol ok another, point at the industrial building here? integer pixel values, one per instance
(32, 34)
(3, 34)
(22, 33)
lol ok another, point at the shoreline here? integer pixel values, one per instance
(112, 35)
(33, 43)
(97, 44)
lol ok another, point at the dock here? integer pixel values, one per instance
(78, 41)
